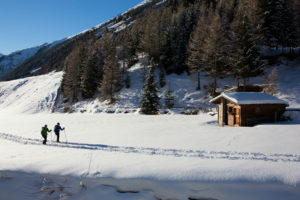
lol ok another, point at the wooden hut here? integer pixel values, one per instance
(248, 108)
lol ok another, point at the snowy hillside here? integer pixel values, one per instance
(30, 95)
(38, 94)
(128, 99)
(289, 79)
(186, 97)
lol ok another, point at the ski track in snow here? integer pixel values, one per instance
(202, 154)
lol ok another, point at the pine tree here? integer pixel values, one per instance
(272, 11)
(279, 23)
(195, 60)
(73, 67)
(129, 49)
(91, 74)
(111, 80)
(173, 4)
(289, 29)
(150, 100)
(244, 57)
(214, 49)
(165, 39)
(294, 6)
(124, 56)
(150, 42)
(181, 29)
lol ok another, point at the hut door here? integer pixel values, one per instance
(231, 115)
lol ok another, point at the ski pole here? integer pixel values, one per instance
(66, 135)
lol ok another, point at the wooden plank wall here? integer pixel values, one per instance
(253, 114)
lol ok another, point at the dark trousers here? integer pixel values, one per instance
(45, 139)
(57, 135)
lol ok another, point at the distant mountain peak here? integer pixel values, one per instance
(11, 61)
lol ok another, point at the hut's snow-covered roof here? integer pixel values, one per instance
(244, 98)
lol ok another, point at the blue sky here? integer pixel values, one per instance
(28, 23)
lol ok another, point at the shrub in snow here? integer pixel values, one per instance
(271, 83)
(169, 97)
(210, 90)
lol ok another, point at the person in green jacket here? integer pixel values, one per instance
(44, 133)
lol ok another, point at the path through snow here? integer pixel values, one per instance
(202, 154)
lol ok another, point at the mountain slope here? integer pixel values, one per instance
(12, 60)
(155, 18)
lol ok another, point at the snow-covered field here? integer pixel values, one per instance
(169, 147)
(172, 148)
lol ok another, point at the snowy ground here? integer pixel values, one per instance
(176, 149)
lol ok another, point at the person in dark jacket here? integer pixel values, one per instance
(57, 129)
(44, 133)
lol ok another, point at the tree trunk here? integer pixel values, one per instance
(123, 67)
(292, 52)
(198, 78)
(215, 85)
(238, 84)
(245, 84)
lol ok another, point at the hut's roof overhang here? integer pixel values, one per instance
(247, 98)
